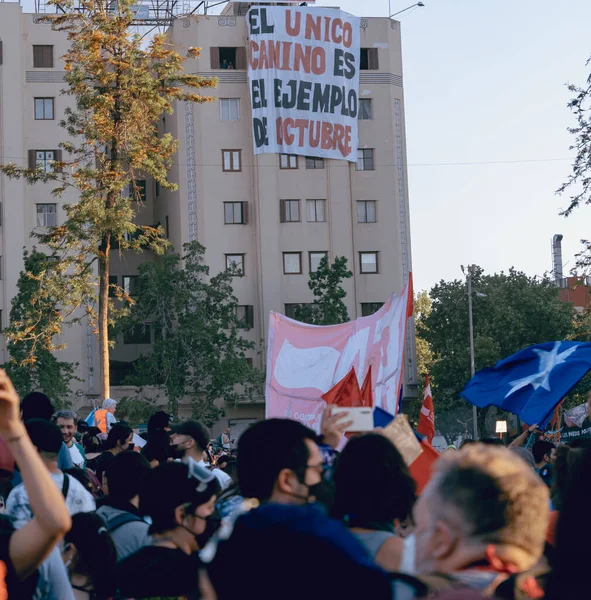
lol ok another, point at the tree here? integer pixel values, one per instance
(514, 311)
(32, 366)
(325, 283)
(422, 310)
(198, 349)
(120, 86)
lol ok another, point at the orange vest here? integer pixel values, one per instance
(100, 420)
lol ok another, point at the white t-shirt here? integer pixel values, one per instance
(224, 479)
(75, 455)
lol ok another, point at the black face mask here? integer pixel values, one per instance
(176, 452)
(322, 493)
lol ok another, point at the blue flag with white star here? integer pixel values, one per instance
(531, 382)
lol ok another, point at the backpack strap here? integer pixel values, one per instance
(122, 519)
(65, 486)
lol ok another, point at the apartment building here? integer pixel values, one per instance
(272, 216)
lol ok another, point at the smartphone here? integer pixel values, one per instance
(361, 416)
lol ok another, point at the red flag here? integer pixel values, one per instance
(366, 391)
(427, 419)
(346, 392)
(420, 469)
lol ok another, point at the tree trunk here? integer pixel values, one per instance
(103, 321)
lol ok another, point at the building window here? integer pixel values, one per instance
(315, 258)
(365, 109)
(228, 57)
(113, 285)
(369, 308)
(235, 262)
(231, 160)
(44, 160)
(288, 161)
(316, 211)
(368, 262)
(43, 109)
(46, 215)
(167, 227)
(369, 59)
(139, 334)
(245, 315)
(290, 309)
(131, 285)
(313, 162)
(43, 57)
(366, 211)
(235, 213)
(230, 109)
(365, 160)
(157, 186)
(289, 211)
(138, 192)
(292, 263)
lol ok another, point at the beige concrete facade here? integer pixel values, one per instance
(196, 210)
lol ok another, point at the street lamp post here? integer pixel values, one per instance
(471, 324)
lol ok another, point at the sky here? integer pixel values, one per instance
(484, 82)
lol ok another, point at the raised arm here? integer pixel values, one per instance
(522, 438)
(29, 545)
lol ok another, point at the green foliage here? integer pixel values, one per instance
(136, 410)
(516, 312)
(198, 350)
(422, 310)
(326, 284)
(32, 366)
(120, 87)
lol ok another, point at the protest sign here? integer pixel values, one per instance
(304, 80)
(399, 432)
(306, 361)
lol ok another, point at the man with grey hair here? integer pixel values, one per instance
(67, 421)
(110, 406)
(482, 517)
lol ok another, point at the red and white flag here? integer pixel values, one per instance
(427, 419)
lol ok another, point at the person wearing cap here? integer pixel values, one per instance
(159, 420)
(181, 498)
(189, 440)
(47, 438)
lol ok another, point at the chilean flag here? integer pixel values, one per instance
(427, 419)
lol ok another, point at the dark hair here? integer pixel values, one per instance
(126, 475)
(229, 466)
(96, 552)
(540, 449)
(372, 481)
(81, 476)
(265, 449)
(159, 420)
(46, 436)
(468, 442)
(36, 405)
(569, 577)
(567, 461)
(157, 446)
(491, 441)
(91, 443)
(119, 433)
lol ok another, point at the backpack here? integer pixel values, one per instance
(122, 519)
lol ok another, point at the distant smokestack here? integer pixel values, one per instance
(557, 258)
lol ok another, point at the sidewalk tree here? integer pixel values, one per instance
(198, 348)
(516, 311)
(34, 320)
(120, 87)
(326, 283)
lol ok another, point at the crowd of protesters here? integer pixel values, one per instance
(283, 515)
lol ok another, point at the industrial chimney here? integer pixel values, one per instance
(557, 259)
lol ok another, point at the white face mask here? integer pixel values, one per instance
(408, 562)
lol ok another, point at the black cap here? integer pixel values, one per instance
(198, 431)
(45, 435)
(159, 420)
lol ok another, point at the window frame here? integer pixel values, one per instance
(241, 272)
(135, 279)
(145, 328)
(299, 255)
(248, 316)
(231, 152)
(366, 102)
(222, 100)
(377, 270)
(283, 204)
(371, 304)
(315, 200)
(288, 158)
(323, 252)
(47, 168)
(312, 162)
(364, 203)
(44, 100)
(242, 213)
(365, 159)
(37, 213)
(39, 55)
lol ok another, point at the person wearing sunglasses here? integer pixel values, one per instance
(180, 499)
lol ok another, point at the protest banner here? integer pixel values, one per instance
(304, 80)
(306, 361)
